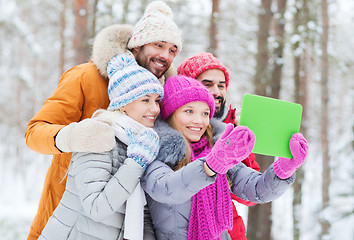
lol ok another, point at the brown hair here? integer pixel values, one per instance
(188, 158)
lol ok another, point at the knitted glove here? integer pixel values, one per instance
(89, 135)
(285, 167)
(144, 147)
(234, 145)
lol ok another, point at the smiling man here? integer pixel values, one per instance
(155, 57)
(154, 42)
(215, 81)
(207, 69)
(215, 77)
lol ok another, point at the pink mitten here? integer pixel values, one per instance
(234, 145)
(285, 167)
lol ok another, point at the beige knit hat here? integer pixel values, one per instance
(156, 25)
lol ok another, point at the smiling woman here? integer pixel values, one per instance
(144, 110)
(191, 120)
(100, 185)
(187, 186)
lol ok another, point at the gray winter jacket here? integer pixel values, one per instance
(93, 204)
(95, 211)
(169, 193)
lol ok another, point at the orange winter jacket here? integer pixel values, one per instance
(80, 92)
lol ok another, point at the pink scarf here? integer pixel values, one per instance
(211, 212)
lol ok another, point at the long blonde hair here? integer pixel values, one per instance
(188, 158)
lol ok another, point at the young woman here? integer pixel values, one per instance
(99, 185)
(187, 185)
(207, 69)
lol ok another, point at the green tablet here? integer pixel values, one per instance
(273, 121)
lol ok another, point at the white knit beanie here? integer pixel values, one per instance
(156, 25)
(128, 81)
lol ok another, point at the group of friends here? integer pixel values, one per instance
(142, 150)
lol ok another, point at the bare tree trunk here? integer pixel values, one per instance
(326, 177)
(81, 47)
(125, 11)
(93, 26)
(264, 19)
(143, 3)
(301, 63)
(278, 51)
(297, 186)
(213, 30)
(300, 174)
(62, 37)
(19, 117)
(259, 222)
(297, 57)
(301, 96)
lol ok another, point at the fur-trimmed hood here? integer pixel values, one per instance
(111, 41)
(172, 143)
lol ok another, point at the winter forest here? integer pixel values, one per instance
(295, 50)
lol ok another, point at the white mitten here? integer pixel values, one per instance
(89, 135)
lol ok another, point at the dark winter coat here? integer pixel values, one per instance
(169, 193)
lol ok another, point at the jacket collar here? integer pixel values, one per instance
(172, 143)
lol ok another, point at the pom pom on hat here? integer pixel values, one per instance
(160, 7)
(128, 81)
(199, 63)
(180, 90)
(156, 25)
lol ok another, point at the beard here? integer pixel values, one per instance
(219, 113)
(144, 61)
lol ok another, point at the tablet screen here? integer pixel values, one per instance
(273, 121)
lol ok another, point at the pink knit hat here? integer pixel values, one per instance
(199, 63)
(180, 90)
